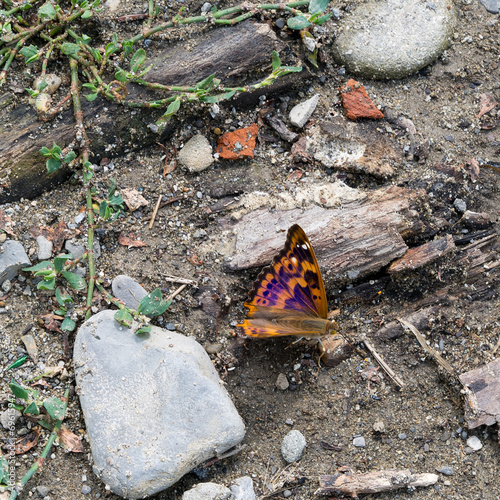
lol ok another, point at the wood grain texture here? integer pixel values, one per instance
(230, 52)
(351, 241)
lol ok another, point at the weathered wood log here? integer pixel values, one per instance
(229, 52)
(483, 397)
(354, 240)
(373, 482)
(422, 255)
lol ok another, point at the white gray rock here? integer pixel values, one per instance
(292, 446)
(207, 491)
(12, 259)
(492, 6)
(474, 443)
(154, 406)
(9, 417)
(242, 489)
(393, 39)
(359, 442)
(300, 113)
(44, 248)
(128, 290)
(76, 249)
(196, 155)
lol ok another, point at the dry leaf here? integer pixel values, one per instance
(49, 321)
(6, 223)
(474, 169)
(133, 199)
(486, 103)
(26, 442)
(29, 342)
(69, 440)
(52, 371)
(194, 260)
(128, 241)
(57, 234)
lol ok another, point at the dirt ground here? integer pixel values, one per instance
(423, 423)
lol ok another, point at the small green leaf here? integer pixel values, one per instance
(4, 471)
(322, 19)
(32, 409)
(30, 53)
(62, 297)
(70, 49)
(316, 6)
(52, 165)
(276, 60)
(124, 318)
(47, 12)
(127, 47)
(87, 14)
(143, 329)
(19, 391)
(75, 281)
(205, 84)
(138, 60)
(174, 106)
(91, 97)
(70, 157)
(121, 76)
(115, 200)
(54, 407)
(18, 363)
(46, 285)
(60, 260)
(153, 304)
(68, 325)
(298, 23)
(45, 264)
(217, 98)
(61, 312)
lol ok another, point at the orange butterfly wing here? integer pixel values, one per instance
(288, 297)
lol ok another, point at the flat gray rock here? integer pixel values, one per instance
(393, 39)
(128, 291)
(242, 489)
(196, 155)
(154, 406)
(303, 111)
(12, 259)
(207, 491)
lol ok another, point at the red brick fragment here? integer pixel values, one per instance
(357, 103)
(238, 144)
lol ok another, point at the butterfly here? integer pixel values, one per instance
(288, 297)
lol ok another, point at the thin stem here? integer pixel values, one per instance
(81, 135)
(13, 52)
(46, 450)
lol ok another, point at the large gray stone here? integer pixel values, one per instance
(394, 38)
(153, 404)
(12, 259)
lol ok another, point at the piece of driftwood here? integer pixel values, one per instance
(483, 396)
(351, 241)
(476, 220)
(421, 319)
(422, 255)
(373, 482)
(230, 52)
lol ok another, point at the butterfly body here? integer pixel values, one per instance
(288, 297)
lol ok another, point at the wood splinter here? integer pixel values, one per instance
(373, 482)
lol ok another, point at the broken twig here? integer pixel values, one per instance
(383, 364)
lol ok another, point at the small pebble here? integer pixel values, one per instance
(289, 421)
(460, 205)
(359, 442)
(86, 489)
(379, 426)
(402, 435)
(293, 446)
(282, 382)
(287, 493)
(447, 471)
(170, 326)
(474, 443)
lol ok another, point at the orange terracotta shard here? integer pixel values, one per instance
(238, 144)
(357, 103)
